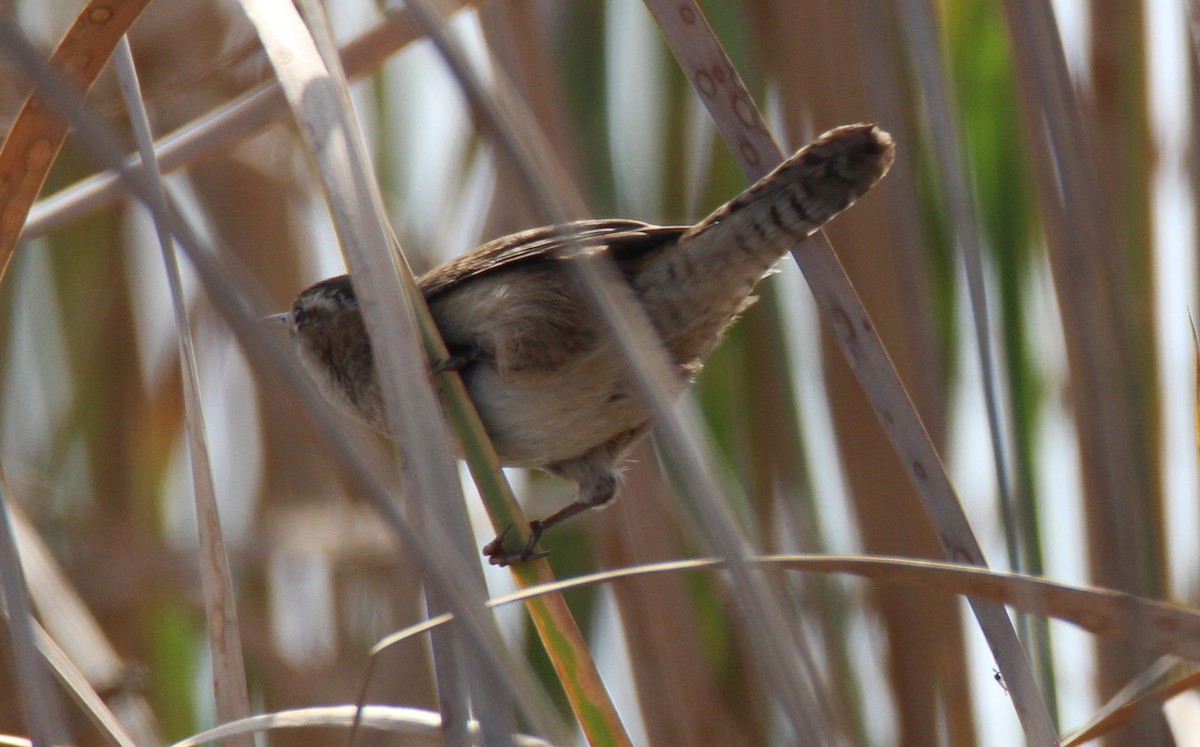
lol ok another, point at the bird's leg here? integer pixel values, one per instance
(596, 474)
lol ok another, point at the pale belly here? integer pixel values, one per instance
(541, 418)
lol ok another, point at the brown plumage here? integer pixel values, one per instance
(546, 377)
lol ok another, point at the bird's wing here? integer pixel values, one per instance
(627, 241)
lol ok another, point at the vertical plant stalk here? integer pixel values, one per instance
(321, 105)
(561, 637)
(453, 672)
(1118, 120)
(784, 662)
(1077, 227)
(1104, 333)
(220, 600)
(924, 46)
(712, 74)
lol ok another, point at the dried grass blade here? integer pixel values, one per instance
(700, 53)
(38, 133)
(86, 660)
(85, 695)
(43, 713)
(220, 600)
(1166, 628)
(382, 718)
(1149, 690)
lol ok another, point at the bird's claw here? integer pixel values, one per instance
(497, 555)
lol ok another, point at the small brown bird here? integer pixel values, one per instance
(549, 383)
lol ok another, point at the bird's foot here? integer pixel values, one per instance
(497, 555)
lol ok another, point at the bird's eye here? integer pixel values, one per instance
(298, 315)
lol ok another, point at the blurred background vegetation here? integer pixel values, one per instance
(1088, 307)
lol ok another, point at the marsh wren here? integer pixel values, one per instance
(553, 390)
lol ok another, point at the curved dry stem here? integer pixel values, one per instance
(1163, 628)
(386, 719)
(220, 601)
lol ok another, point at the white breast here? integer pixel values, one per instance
(543, 418)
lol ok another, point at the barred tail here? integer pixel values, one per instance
(696, 289)
(821, 180)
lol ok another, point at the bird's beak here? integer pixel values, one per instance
(284, 317)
